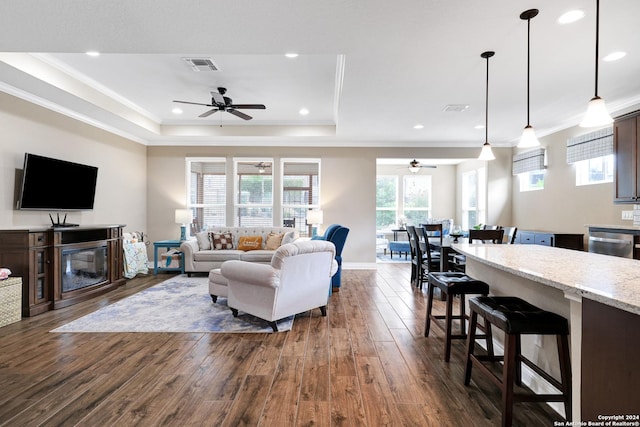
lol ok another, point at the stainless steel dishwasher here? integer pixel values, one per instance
(611, 243)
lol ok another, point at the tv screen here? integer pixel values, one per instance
(56, 185)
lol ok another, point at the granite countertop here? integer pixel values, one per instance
(607, 279)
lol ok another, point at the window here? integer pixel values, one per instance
(594, 171)
(386, 202)
(592, 153)
(300, 191)
(530, 181)
(530, 166)
(207, 191)
(253, 201)
(416, 198)
(474, 190)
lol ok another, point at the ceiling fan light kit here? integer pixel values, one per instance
(596, 114)
(486, 153)
(528, 138)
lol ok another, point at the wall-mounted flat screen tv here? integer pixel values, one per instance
(56, 185)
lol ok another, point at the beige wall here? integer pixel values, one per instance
(141, 186)
(561, 205)
(348, 177)
(121, 190)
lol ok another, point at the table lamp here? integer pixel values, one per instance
(314, 218)
(183, 217)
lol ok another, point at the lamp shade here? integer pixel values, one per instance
(314, 217)
(486, 153)
(184, 216)
(596, 114)
(528, 138)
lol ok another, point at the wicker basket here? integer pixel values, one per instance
(10, 300)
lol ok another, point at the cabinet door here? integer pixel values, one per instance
(625, 147)
(543, 239)
(526, 238)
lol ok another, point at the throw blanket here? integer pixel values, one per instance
(135, 259)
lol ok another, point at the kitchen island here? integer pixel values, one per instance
(599, 294)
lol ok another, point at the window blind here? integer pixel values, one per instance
(529, 161)
(594, 144)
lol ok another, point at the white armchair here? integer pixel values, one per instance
(298, 280)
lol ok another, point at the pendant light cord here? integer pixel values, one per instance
(528, 65)
(597, 41)
(486, 107)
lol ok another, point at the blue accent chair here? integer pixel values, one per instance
(336, 234)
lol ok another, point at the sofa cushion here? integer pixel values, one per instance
(249, 243)
(261, 255)
(274, 240)
(219, 255)
(221, 241)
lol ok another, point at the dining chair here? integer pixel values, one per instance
(413, 244)
(486, 236)
(428, 261)
(510, 235)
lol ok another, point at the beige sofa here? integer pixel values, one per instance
(199, 257)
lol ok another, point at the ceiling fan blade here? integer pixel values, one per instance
(239, 114)
(208, 113)
(194, 103)
(248, 106)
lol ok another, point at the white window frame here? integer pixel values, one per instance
(393, 209)
(299, 209)
(199, 207)
(583, 170)
(429, 186)
(525, 179)
(237, 205)
(480, 190)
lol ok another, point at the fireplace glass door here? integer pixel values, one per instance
(82, 268)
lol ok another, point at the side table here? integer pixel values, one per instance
(168, 244)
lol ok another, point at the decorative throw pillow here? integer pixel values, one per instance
(249, 243)
(204, 242)
(289, 237)
(221, 241)
(274, 240)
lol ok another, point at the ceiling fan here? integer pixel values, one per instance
(415, 166)
(262, 167)
(219, 102)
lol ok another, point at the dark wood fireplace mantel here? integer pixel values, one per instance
(46, 258)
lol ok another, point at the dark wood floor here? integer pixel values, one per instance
(365, 364)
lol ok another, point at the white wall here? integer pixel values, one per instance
(121, 189)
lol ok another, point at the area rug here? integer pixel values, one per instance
(387, 258)
(180, 304)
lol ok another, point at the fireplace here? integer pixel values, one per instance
(83, 267)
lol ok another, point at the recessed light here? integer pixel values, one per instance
(418, 127)
(614, 56)
(291, 55)
(303, 111)
(93, 53)
(571, 17)
(479, 127)
(177, 110)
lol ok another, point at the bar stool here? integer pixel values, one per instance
(517, 317)
(453, 284)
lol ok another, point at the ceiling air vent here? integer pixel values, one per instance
(455, 108)
(201, 64)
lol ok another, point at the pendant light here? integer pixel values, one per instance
(528, 138)
(596, 114)
(486, 153)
